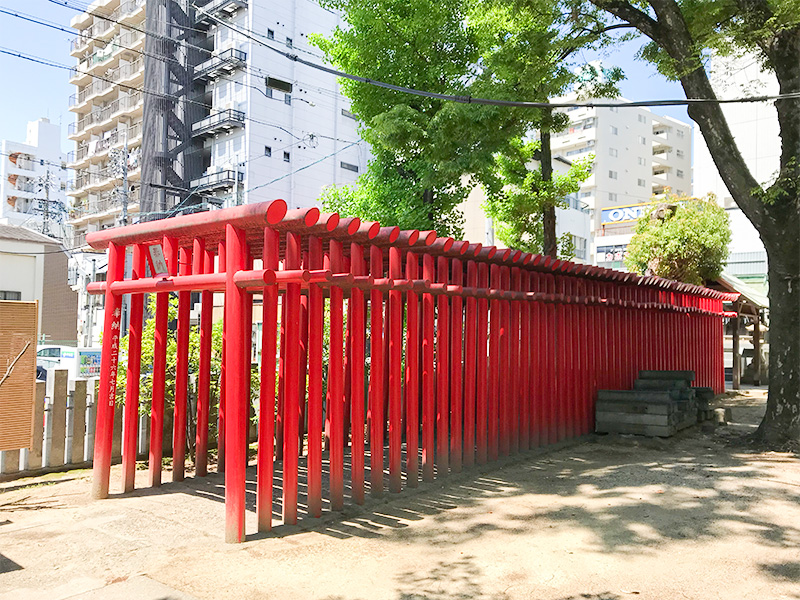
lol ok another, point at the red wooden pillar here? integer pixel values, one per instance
(107, 392)
(428, 398)
(442, 367)
(456, 369)
(336, 380)
(203, 262)
(412, 374)
(513, 361)
(504, 409)
(131, 417)
(481, 367)
(375, 416)
(236, 382)
(358, 341)
(470, 365)
(291, 379)
(524, 395)
(549, 346)
(181, 372)
(395, 365)
(537, 365)
(170, 246)
(266, 397)
(316, 315)
(495, 366)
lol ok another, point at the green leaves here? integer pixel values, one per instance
(689, 244)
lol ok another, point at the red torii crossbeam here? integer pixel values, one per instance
(472, 352)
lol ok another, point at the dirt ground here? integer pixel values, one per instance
(701, 515)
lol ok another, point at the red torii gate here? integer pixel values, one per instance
(474, 352)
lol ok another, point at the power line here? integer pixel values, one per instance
(489, 101)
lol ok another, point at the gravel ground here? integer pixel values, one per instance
(701, 515)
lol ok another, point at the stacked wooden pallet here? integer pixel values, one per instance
(661, 403)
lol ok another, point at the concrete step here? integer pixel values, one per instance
(685, 375)
(640, 408)
(704, 393)
(648, 430)
(639, 395)
(660, 384)
(633, 419)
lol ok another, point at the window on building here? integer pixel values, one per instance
(287, 98)
(289, 42)
(270, 34)
(580, 246)
(642, 140)
(679, 173)
(641, 161)
(679, 133)
(614, 130)
(585, 194)
(279, 84)
(9, 295)
(679, 153)
(287, 157)
(613, 152)
(267, 151)
(642, 119)
(268, 92)
(612, 197)
(612, 174)
(641, 182)
(613, 109)
(348, 114)
(349, 167)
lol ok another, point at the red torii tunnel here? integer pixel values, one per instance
(441, 353)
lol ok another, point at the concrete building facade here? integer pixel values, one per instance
(33, 180)
(638, 155)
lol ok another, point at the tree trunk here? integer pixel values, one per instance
(549, 240)
(781, 422)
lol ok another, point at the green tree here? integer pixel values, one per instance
(520, 196)
(428, 152)
(682, 35)
(681, 238)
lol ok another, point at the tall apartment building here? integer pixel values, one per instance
(755, 128)
(638, 155)
(209, 115)
(33, 179)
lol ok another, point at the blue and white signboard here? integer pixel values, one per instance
(623, 214)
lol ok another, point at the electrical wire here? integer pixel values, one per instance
(489, 101)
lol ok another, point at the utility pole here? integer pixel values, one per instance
(45, 181)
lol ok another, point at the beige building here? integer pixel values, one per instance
(34, 267)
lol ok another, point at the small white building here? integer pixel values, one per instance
(33, 179)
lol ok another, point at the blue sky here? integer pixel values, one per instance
(34, 90)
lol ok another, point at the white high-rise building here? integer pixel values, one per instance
(215, 119)
(638, 155)
(33, 179)
(755, 128)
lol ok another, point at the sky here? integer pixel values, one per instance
(33, 90)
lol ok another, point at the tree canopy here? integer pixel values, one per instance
(681, 238)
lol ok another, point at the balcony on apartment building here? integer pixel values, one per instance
(219, 9)
(217, 181)
(107, 57)
(22, 161)
(129, 106)
(127, 73)
(96, 150)
(98, 181)
(130, 12)
(225, 62)
(23, 184)
(98, 205)
(224, 120)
